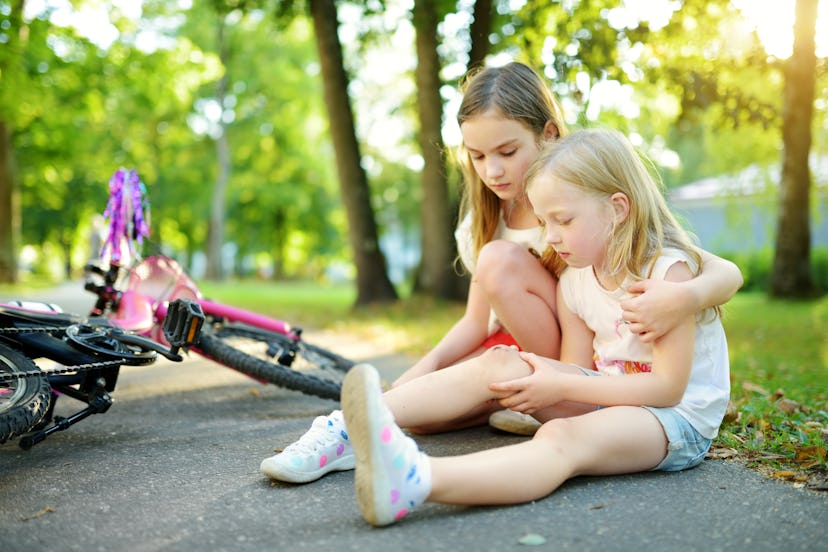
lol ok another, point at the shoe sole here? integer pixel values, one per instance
(359, 386)
(282, 473)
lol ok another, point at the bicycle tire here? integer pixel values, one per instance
(311, 369)
(25, 401)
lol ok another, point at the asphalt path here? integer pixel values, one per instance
(174, 465)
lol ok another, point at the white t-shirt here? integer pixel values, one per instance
(618, 351)
(527, 237)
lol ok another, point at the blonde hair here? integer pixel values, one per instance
(516, 92)
(602, 163)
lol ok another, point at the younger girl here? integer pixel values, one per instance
(612, 404)
(506, 116)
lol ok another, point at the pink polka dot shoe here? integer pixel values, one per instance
(324, 448)
(392, 475)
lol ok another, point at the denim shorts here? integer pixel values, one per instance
(686, 447)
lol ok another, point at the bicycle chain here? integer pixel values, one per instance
(75, 369)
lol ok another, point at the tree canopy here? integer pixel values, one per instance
(692, 82)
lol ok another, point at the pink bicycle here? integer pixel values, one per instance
(135, 297)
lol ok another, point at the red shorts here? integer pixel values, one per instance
(499, 338)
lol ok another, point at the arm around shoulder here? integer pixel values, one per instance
(657, 306)
(717, 283)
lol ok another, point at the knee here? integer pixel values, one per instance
(500, 259)
(501, 363)
(557, 431)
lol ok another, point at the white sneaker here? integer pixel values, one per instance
(324, 448)
(514, 422)
(392, 475)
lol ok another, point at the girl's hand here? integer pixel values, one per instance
(530, 393)
(657, 307)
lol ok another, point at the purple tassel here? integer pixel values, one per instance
(128, 213)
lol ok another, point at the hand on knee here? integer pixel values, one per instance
(502, 363)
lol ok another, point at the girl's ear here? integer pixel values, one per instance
(621, 206)
(550, 130)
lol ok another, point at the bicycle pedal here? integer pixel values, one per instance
(183, 323)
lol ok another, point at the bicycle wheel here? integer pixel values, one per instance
(277, 359)
(23, 401)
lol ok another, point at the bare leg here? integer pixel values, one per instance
(393, 475)
(622, 439)
(458, 396)
(455, 392)
(527, 306)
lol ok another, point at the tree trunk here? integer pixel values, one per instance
(792, 267)
(10, 216)
(480, 28)
(373, 284)
(279, 221)
(436, 275)
(215, 231)
(9, 209)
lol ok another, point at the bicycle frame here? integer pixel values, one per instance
(150, 285)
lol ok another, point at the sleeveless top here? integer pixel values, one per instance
(617, 351)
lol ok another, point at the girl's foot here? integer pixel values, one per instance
(324, 448)
(392, 475)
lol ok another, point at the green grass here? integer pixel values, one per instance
(779, 373)
(415, 324)
(308, 303)
(28, 287)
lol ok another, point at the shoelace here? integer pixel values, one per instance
(314, 439)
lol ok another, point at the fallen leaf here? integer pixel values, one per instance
(599, 506)
(784, 474)
(810, 454)
(754, 388)
(732, 412)
(43, 512)
(787, 406)
(770, 456)
(722, 453)
(532, 539)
